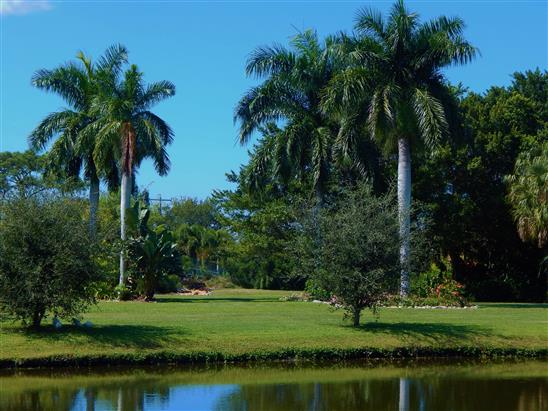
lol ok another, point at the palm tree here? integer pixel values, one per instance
(290, 94)
(77, 84)
(394, 77)
(127, 129)
(528, 194)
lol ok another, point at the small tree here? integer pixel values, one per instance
(357, 256)
(46, 262)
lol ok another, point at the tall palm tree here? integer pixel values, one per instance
(126, 128)
(77, 83)
(394, 76)
(300, 145)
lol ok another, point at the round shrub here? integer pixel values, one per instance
(46, 259)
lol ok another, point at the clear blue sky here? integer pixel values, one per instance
(202, 48)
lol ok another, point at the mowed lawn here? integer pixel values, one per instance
(237, 321)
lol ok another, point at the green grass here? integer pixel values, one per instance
(236, 324)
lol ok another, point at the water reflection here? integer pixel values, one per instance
(520, 386)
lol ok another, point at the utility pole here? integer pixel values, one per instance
(161, 200)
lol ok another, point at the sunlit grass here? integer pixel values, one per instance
(235, 321)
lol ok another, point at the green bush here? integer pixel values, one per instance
(46, 259)
(353, 255)
(438, 286)
(315, 291)
(220, 281)
(169, 284)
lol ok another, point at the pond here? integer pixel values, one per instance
(374, 385)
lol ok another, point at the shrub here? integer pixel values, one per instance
(354, 254)
(220, 281)
(316, 292)
(437, 284)
(46, 261)
(169, 284)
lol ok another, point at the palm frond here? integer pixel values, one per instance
(156, 92)
(113, 59)
(430, 117)
(269, 60)
(51, 125)
(369, 22)
(68, 81)
(165, 133)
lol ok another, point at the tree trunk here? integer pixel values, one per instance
(149, 286)
(93, 204)
(125, 196)
(37, 318)
(356, 317)
(404, 207)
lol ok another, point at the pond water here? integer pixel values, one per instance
(402, 386)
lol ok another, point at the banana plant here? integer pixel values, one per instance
(151, 251)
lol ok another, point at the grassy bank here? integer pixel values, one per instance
(238, 325)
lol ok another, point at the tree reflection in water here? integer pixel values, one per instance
(463, 388)
(404, 394)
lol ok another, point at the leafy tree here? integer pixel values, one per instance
(262, 224)
(463, 184)
(46, 259)
(190, 211)
(528, 194)
(21, 174)
(394, 71)
(127, 129)
(358, 252)
(78, 83)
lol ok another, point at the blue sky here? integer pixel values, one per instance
(202, 48)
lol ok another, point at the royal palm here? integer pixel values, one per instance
(77, 83)
(290, 94)
(394, 76)
(127, 128)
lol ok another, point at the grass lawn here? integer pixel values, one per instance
(235, 323)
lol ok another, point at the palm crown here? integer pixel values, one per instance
(77, 83)
(394, 74)
(125, 125)
(290, 95)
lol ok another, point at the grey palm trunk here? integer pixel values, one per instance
(124, 205)
(404, 207)
(93, 204)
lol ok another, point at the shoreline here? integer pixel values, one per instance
(305, 355)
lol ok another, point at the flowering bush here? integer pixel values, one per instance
(437, 284)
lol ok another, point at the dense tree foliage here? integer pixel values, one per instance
(46, 259)
(461, 185)
(464, 184)
(356, 259)
(262, 223)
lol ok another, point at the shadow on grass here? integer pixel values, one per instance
(129, 336)
(215, 300)
(434, 332)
